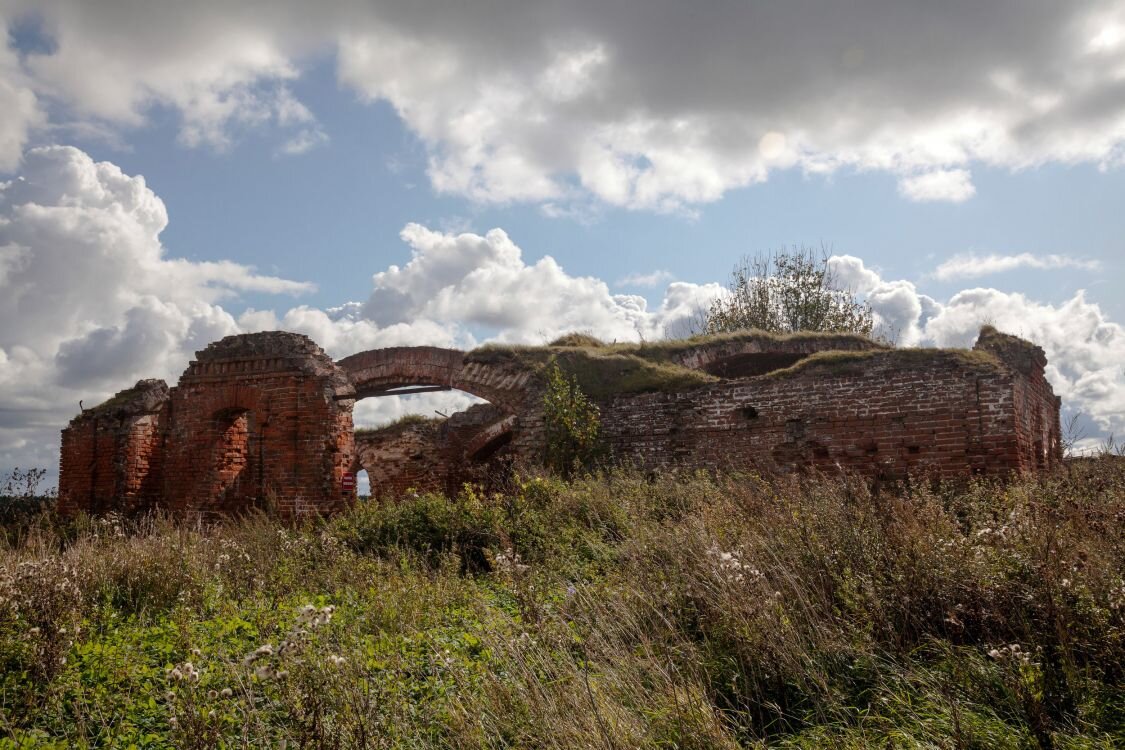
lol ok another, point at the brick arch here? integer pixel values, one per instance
(378, 371)
(234, 398)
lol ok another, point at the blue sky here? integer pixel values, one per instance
(339, 173)
(332, 215)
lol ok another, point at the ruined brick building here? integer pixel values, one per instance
(267, 417)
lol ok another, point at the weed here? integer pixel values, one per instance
(611, 611)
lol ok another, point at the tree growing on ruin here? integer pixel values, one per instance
(786, 292)
(572, 422)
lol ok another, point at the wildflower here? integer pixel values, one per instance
(226, 692)
(314, 617)
(509, 561)
(212, 694)
(337, 660)
(185, 671)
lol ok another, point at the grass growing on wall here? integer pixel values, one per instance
(604, 369)
(610, 612)
(842, 363)
(601, 371)
(406, 420)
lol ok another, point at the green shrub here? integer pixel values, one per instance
(572, 422)
(619, 610)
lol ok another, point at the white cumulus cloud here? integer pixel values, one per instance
(646, 104)
(646, 280)
(972, 265)
(89, 301)
(949, 185)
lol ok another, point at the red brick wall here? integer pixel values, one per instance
(402, 458)
(111, 455)
(1036, 425)
(261, 426)
(267, 419)
(258, 419)
(885, 414)
(435, 456)
(374, 372)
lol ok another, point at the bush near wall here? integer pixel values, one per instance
(608, 612)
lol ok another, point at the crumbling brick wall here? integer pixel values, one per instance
(257, 419)
(1035, 406)
(434, 455)
(885, 414)
(111, 455)
(267, 418)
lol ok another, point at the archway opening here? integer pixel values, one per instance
(232, 479)
(426, 442)
(410, 406)
(362, 485)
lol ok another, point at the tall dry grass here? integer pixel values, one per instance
(609, 612)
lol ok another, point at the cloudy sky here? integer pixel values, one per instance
(418, 172)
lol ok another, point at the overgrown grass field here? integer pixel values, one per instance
(609, 612)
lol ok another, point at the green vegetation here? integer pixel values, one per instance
(405, 420)
(603, 369)
(117, 400)
(839, 363)
(577, 338)
(572, 422)
(788, 291)
(611, 612)
(22, 503)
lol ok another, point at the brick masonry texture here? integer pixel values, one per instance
(265, 420)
